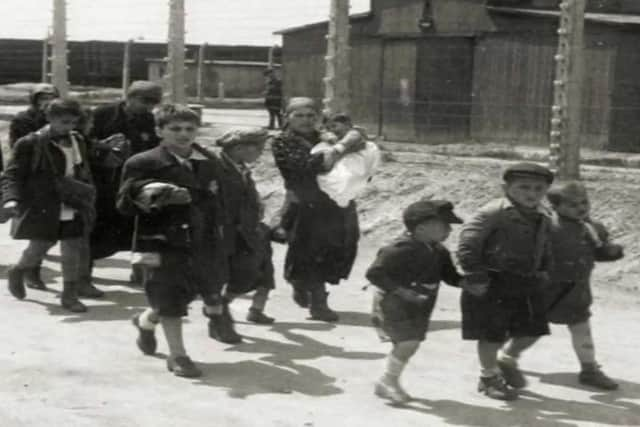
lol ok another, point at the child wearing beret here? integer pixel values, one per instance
(407, 274)
(246, 237)
(505, 251)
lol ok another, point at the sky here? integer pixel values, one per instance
(249, 22)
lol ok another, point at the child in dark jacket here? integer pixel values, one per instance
(577, 243)
(505, 252)
(407, 274)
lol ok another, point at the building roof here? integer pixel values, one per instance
(606, 18)
(354, 17)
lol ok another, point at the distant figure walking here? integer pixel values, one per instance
(273, 98)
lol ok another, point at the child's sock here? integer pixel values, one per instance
(260, 298)
(149, 319)
(582, 341)
(397, 360)
(172, 327)
(488, 356)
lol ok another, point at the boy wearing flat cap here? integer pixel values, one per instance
(578, 243)
(504, 251)
(246, 238)
(407, 274)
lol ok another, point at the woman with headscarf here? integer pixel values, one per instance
(322, 236)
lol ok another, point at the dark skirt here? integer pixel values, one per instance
(323, 242)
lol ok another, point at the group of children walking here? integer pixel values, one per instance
(522, 266)
(199, 231)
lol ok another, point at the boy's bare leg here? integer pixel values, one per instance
(178, 362)
(388, 386)
(590, 374)
(508, 360)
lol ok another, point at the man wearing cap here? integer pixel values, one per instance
(33, 118)
(407, 274)
(505, 251)
(121, 130)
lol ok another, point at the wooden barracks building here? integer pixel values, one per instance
(434, 71)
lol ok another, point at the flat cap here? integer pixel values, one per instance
(145, 89)
(528, 170)
(42, 89)
(299, 102)
(423, 210)
(242, 136)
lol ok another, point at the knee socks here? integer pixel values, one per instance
(172, 327)
(582, 341)
(397, 360)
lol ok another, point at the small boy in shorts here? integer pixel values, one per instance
(577, 243)
(246, 237)
(407, 274)
(172, 191)
(505, 252)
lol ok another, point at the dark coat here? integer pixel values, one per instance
(29, 179)
(502, 239)
(410, 264)
(575, 252)
(273, 94)
(24, 123)
(195, 228)
(324, 237)
(242, 207)
(112, 231)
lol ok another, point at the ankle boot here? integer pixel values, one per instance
(319, 309)
(32, 278)
(15, 280)
(69, 299)
(86, 289)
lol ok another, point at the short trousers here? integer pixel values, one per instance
(171, 287)
(496, 318)
(400, 321)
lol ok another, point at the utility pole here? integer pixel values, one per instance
(336, 81)
(271, 57)
(176, 56)
(564, 156)
(45, 56)
(59, 69)
(201, 71)
(126, 66)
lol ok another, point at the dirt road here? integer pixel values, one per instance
(84, 370)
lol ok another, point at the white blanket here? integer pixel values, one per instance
(349, 176)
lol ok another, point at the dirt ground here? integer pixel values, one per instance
(84, 370)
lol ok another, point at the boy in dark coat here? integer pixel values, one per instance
(577, 243)
(408, 273)
(505, 251)
(24, 123)
(246, 237)
(41, 216)
(171, 190)
(119, 131)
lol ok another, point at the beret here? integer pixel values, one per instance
(423, 210)
(242, 136)
(528, 170)
(297, 103)
(145, 89)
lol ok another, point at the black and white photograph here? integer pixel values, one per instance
(319, 213)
